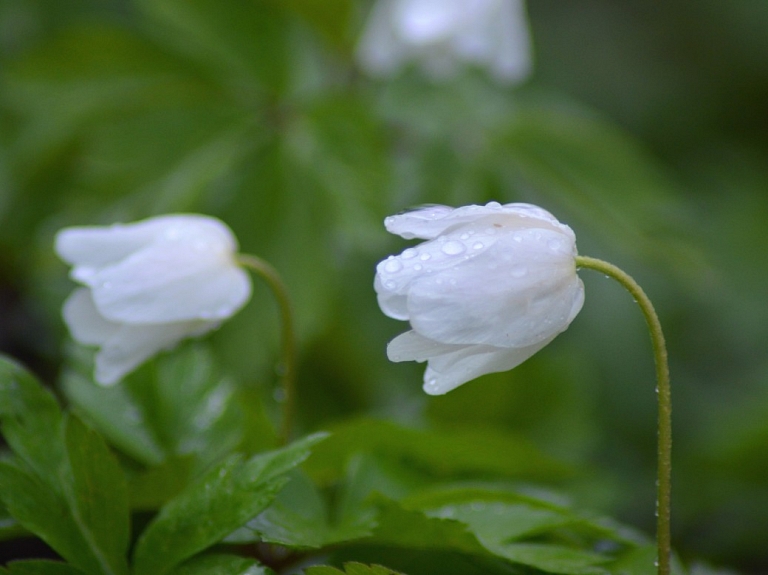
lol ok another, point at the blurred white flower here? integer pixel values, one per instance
(148, 285)
(490, 287)
(441, 34)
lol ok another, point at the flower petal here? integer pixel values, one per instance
(379, 52)
(131, 346)
(171, 281)
(411, 346)
(449, 371)
(513, 61)
(123, 348)
(432, 221)
(519, 291)
(85, 323)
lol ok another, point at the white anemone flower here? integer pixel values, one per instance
(148, 285)
(442, 34)
(490, 287)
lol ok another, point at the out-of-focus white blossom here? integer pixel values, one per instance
(490, 287)
(148, 285)
(440, 35)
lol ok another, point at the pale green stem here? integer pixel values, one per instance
(288, 337)
(664, 482)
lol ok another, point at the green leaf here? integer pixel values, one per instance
(300, 517)
(178, 406)
(42, 567)
(97, 493)
(602, 175)
(116, 414)
(642, 561)
(351, 568)
(87, 71)
(500, 515)
(413, 529)
(340, 146)
(89, 528)
(553, 558)
(489, 529)
(43, 512)
(502, 521)
(63, 485)
(242, 42)
(150, 489)
(9, 527)
(230, 494)
(31, 420)
(219, 564)
(442, 452)
(330, 17)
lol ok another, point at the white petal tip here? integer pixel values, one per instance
(434, 386)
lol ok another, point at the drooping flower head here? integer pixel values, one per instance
(440, 35)
(148, 285)
(489, 287)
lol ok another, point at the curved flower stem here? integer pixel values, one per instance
(288, 342)
(664, 483)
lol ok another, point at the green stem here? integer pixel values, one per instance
(664, 483)
(288, 340)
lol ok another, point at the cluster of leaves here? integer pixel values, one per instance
(132, 480)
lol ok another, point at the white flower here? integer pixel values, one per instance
(440, 34)
(490, 287)
(148, 285)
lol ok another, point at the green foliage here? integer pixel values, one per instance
(41, 568)
(442, 452)
(352, 569)
(301, 517)
(219, 564)
(650, 145)
(227, 496)
(63, 485)
(181, 406)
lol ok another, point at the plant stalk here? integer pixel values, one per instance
(664, 453)
(288, 338)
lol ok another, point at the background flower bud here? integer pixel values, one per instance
(441, 34)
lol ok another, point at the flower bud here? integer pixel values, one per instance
(148, 285)
(489, 287)
(441, 34)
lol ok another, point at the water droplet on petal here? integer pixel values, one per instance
(417, 267)
(453, 247)
(493, 205)
(464, 236)
(390, 285)
(409, 253)
(554, 245)
(393, 265)
(478, 246)
(425, 257)
(518, 271)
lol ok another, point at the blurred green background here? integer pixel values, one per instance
(644, 127)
